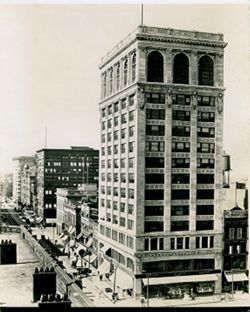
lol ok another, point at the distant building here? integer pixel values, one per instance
(68, 201)
(19, 163)
(63, 168)
(235, 264)
(28, 186)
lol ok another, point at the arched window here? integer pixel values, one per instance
(118, 77)
(125, 81)
(206, 71)
(111, 81)
(133, 67)
(155, 67)
(104, 84)
(181, 69)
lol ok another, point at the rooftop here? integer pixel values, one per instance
(166, 34)
(16, 287)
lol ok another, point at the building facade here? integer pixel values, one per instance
(161, 160)
(19, 164)
(235, 266)
(63, 168)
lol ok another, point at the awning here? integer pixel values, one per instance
(90, 259)
(104, 267)
(122, 279)
(236, 277)
(79, 235)
(61, 235)
(180, 279)
(93, 258)
(103, 249)
(71, 230)
(65, 238)
(39, 220)
(89, 242)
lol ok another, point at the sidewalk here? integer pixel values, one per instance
(94, 289)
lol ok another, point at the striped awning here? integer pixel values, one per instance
(89, 242)
(236, 277)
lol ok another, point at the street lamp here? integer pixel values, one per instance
(147, 275)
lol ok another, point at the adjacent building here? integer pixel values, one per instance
(19, 164)
(63, 168)
(161, 162)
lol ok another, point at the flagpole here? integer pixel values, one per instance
(142, 14)
(236, 195)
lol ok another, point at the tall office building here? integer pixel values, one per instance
(161, 161)
(63, 168)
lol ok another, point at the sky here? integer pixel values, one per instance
(49, 73)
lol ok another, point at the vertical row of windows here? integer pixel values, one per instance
(117, 77)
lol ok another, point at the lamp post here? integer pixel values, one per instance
(147, 290)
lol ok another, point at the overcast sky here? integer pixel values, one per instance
(49, 74)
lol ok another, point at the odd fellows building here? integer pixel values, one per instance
(63, 168)
(161, 162)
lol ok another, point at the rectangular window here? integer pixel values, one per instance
(155, 130)
(180, 146)
(155, 98)
(116, 107)
(123, 104)
(205, 194)
(131, 162)
(122, 207)
(180, 131)
(204, 242)
(181, 99)
(179, 226)
(206, 100)
(239, 233)
(123, 177)
(116, 135)
(205, 178)
(231, 233)
(123, 133)
(131, 178)
(205, 163)
(154, 162)
(154, 210)
(204, 225)
(131, 131)
(181, 115)
(130, 209)
(158, 114)
(179, 242)
(130, 224)
(116, 121)
(180, 162)
(179, 194)
(205, 209)
(154, 194)
(154, 178)
(154, 146)
(131, 115)
(156, 226)
(122, 221)
(180, 210)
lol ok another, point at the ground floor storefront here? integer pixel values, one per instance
(178, 287)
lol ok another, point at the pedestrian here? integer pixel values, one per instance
(100, 277)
